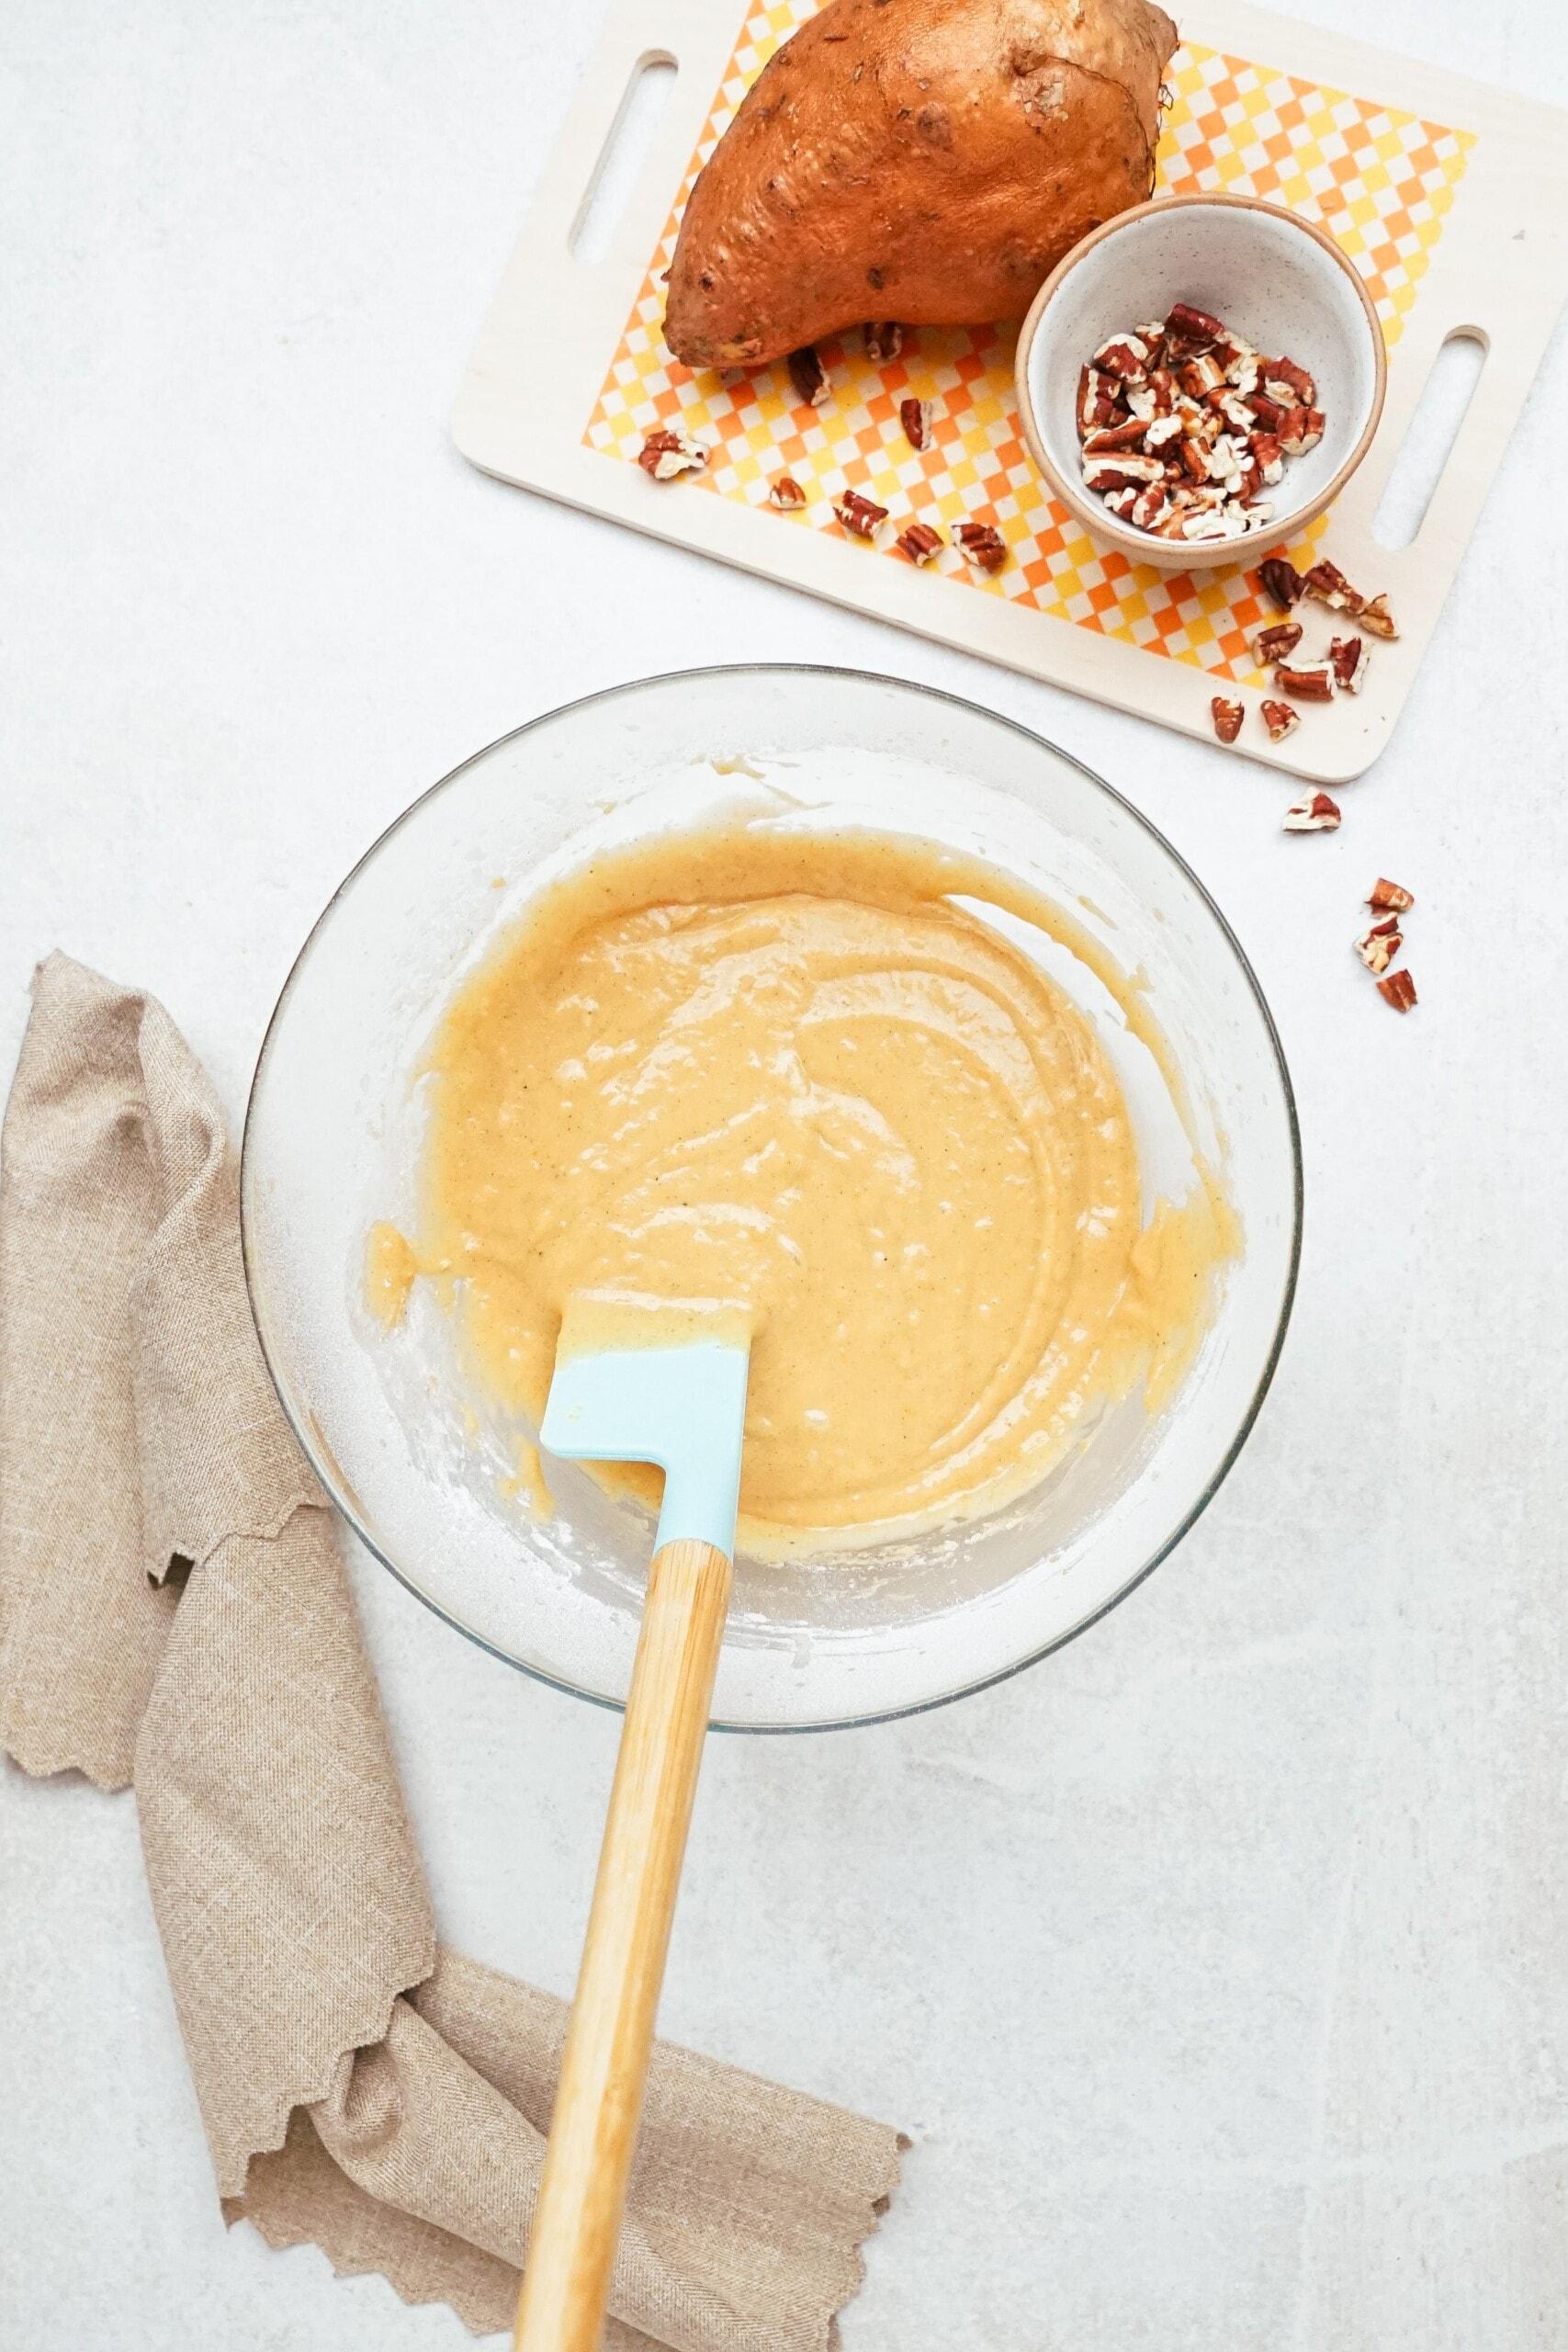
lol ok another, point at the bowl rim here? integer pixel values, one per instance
(325, 1470)
(1105, 525)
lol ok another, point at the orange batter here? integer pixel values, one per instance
(791, 1075)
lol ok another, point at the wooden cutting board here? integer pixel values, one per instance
(1452, 199)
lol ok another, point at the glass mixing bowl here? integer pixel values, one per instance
(400, 1438)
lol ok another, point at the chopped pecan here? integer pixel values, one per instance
(1121, 502)
(665, 454)
(1200, 375)
(1301, 430)
(1380, 943)
(919, 542)
(1315, 684)
(1282, 581)
(1097, 399)
(1375, 618)
(1277, 642)
(1149, 506)
(860, 515)
(1194, 326)
(915, 416)
(1392, 897)
(1285, 382)
(1129, 435)
(1227, 717)
(1279, 718)
(1126, 356)
(1313, 813)
(786, 492)
(1224, 522)
(1327, 584)
(1124, 470)
(1348, 660)
(1184, 390)
(1398, 989)
(983, 544)
(809, 376)
(884, 340)
(1267, 455)
(1226, 459)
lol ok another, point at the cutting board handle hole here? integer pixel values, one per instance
(1429, 437)
(622, 157)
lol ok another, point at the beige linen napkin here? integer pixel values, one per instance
(175, 1614)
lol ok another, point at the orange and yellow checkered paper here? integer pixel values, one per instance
(1379, 181)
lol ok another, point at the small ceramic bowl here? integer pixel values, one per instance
(1281, 284)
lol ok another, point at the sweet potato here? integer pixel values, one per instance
(929, 161)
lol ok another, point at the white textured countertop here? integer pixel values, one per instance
(1218, 1966)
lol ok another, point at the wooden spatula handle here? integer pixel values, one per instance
(599, 2099)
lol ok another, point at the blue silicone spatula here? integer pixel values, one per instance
(665, 1384)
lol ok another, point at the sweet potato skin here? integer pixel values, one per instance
(929, 161)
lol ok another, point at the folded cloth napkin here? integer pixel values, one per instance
(174, 1615)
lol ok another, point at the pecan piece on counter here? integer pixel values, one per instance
(1392, 896)
(884, 340)
(665, 455)
(1313, 684)
(1375, 617)
(1313, 813)
(1282, 581)
(809, 376)
(1276, 643)
(860, 515)
(1398, 989)
(983, 545)
(1328, 585)
(915, 416)
(1380, 943)
(919, 542)
(1227, 717)
(1347, 659)
(1279, 718)
(785, 494)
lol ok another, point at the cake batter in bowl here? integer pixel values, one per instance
(998, 1142)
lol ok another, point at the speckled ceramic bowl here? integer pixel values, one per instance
(1274, 278)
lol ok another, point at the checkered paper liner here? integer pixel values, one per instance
(1381, 181)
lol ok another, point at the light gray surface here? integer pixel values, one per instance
(1218, 1965)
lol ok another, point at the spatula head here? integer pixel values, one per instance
(638, 1381)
